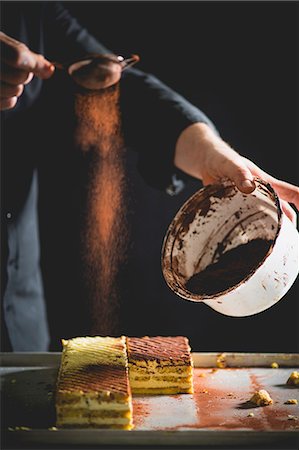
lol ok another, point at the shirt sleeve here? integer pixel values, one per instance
(153, 117)
(66, 38)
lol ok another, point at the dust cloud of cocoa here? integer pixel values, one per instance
(104, 233)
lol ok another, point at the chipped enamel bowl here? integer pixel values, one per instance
(218, 218)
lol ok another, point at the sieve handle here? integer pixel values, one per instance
(124, 62)
(128, 62)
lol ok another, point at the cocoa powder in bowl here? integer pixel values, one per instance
(230, 269)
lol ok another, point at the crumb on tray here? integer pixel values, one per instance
(293, 378)
(291, 401)
(231, 395)
(261, 398)
(274, 365)
(221, 361)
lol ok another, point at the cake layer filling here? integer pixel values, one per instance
(163, 391)
(93, 405)
(144, 375)
(159, 384)
(160, 370)
(104, 422)
(70, 412)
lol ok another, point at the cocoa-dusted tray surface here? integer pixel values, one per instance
(218, 413)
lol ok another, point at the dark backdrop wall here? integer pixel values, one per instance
(238, 62)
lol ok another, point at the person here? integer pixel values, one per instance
(34, 34)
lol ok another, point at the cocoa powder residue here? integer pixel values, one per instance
(231, 268)
(104, 231)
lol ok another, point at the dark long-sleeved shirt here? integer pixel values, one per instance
(153, 116)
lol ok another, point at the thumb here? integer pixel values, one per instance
(237, 171)
(18, 55)
(36, 63)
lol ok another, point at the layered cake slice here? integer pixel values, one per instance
(160, 365)
(93, 387)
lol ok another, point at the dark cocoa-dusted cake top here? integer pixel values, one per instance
(95, 378)
(94, 365)
(174, 349)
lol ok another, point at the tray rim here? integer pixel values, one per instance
(201, 436)
(200, 359)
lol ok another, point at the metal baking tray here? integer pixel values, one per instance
(218, 413)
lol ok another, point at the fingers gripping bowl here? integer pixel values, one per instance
(215, 223)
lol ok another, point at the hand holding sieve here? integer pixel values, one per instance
(96, 71)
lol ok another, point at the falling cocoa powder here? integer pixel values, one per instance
(103, 238)
(231, 268)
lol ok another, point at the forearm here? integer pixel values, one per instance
(202, 153)
(191, 148)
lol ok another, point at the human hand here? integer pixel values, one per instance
(202, 154)
(18, 66)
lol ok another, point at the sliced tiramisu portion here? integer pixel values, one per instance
(160, 365)
(93, 388)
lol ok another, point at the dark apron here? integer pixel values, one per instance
(24, 310)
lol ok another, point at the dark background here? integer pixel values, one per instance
(238, 62)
